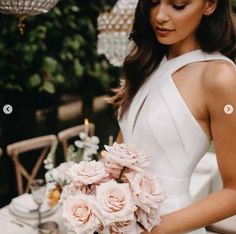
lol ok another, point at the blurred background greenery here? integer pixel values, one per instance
(54, 63)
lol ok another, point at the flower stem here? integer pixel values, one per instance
(120, 176)
(141, 226)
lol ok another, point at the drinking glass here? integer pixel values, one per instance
(38, 190)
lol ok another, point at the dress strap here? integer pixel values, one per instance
(195, 56)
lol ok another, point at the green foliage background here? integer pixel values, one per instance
(56, 55)
(57, 52)
(234, 2)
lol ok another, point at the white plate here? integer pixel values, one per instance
(31, 215)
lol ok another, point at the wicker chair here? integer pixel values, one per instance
(16, 150)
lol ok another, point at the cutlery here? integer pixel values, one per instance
(12, 221)
(26, 223)
(15, 222)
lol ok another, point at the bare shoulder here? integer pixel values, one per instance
(219, 76)
(219, 86)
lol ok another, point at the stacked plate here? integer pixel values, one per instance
(24, 206)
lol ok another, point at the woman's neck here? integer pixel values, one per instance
(180, 48)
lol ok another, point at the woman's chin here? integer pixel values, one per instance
(166, 41)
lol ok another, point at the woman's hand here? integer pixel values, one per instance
(156, 230)
(163, 228)
(145, 232)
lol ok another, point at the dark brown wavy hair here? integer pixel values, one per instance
(215, 33)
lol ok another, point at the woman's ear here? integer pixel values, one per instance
(210, 7)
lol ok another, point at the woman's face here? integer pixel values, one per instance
(175, 21)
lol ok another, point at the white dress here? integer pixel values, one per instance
(159, 123)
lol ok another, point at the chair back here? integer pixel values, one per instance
(65, 135)
(16, 149)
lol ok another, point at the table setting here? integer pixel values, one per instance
(31, 212)
(24, 207)
(22, 216)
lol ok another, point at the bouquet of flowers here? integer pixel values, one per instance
(117, 195)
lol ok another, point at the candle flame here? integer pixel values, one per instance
(86, 121)
(103, 153)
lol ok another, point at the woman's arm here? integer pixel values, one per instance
(119, 138)
(220, 88)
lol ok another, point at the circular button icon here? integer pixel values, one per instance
(228, 109)
(7, 109)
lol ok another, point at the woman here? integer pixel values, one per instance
(179, 95)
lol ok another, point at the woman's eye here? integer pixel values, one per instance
(179, 7)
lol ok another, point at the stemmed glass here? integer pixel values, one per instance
(38, 190)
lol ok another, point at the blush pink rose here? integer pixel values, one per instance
(125, 227)
(148, 197)
(68, 191)
(114, 170)
(148, 220)
(86, 173)
(80, 215)
(88, 189)
(116, 204)
(74, 189)
(126, 155)
(146, 190)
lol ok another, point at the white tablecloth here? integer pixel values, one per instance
(205, 180)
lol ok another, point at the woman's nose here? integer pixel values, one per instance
(161, 14)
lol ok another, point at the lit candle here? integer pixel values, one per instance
(110, 140)
(86, 126)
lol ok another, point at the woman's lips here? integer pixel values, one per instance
(163, 31)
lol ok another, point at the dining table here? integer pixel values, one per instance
(205, 180)
(12, 224)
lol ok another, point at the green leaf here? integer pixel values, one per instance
(78, 68)
(34, 80)
(60, 78)
(57, 11)
(48, 87)
(13, 87)
(49, 64)
(75, 8)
